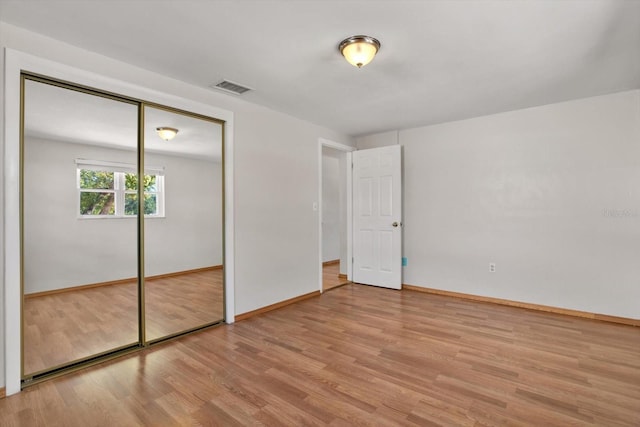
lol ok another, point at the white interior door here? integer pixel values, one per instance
(377, 216)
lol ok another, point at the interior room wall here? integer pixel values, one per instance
(62, 250)
(275, 219)
(190, 235)
(377, 140)
(275, 169)
(330, 205)
(549, 194)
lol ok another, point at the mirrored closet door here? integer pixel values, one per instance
(112, 259)
(183, 222)
(79, 241)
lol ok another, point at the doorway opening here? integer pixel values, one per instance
(335, 206)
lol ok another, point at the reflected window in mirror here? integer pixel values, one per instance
(110, 190)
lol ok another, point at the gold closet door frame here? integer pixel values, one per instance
(141, 218)
(35, 378)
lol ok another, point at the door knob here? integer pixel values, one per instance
(395, 224)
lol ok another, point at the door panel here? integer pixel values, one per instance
(377, 217)
(79, 277)
(386, 251)
(366, 197)
(386, 196)
(366, 254)
(183, 284)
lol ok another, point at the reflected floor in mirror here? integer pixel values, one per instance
(76, 324)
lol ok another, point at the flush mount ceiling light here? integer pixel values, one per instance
(167, 133)
(359, 50)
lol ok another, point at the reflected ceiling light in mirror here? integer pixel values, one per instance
(167, 133)
(359, 50)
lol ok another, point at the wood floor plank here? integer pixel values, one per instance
(68, 326)
(360, 355)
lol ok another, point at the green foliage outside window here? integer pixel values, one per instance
(96, 179)
(104, 202)
(131, 182)
(97, 203)
(131, 204)
(131, 199)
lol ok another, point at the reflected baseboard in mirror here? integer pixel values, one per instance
(176, 303)
(72, 325)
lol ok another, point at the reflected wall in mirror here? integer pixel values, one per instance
(79, 241)
(183, 231)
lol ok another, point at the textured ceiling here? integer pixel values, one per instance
(440, 60)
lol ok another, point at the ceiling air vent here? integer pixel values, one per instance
(231, 87)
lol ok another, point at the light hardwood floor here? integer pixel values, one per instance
(359, 355)
(67, 326)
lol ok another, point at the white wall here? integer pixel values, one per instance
(330, 205)
(190, 235)
(61, 250)
(276, 177)
(550, 194)
(275, 220)
(377, 140)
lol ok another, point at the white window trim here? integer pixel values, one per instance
(119, 191)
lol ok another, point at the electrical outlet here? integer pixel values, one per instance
(492, 267)
(405, 261)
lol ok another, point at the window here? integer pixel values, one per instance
(110, 190)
